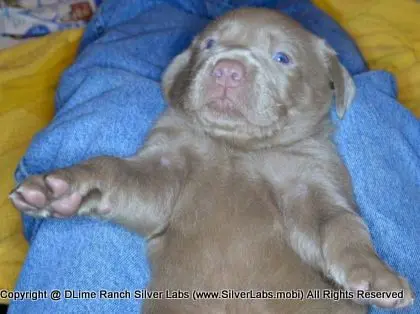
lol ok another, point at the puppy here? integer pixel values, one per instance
(238, 187)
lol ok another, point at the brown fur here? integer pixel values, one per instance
(259, 202)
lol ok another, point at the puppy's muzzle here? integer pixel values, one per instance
(226, 81)
(229, 73)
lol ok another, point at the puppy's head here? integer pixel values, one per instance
(257, 77)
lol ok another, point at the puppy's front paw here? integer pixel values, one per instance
(44, 196)
(373, 283)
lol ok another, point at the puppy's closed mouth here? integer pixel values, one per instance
(224, 106)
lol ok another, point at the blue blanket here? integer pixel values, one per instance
(108, 101)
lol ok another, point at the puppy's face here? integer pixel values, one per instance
(255, 75)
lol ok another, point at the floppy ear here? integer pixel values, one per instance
(342, 82)
(176, 67)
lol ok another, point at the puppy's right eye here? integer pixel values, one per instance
(282, 57)
(209, 43)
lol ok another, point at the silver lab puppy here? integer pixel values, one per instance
(238, 186)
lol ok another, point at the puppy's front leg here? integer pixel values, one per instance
(137, 193)
(325, 231)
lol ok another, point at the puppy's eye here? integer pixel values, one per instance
(282, 57)
(209, 43)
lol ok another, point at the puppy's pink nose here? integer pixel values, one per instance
(229, 73)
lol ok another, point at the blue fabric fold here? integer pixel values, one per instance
(109, 99)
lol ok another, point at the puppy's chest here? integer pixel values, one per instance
(228, 223)
(226, 200)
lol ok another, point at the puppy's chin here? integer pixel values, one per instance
(234, 127)
(221, 114)
(223, 108)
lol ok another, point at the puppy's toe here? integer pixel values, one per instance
(391, 282)
(360, 279)
(382, 287)
(20, 202)
(57, 186)
(66, 205)
(409, 296)
(31, 195)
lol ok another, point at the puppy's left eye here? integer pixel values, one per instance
(282, 57)
(209, 43)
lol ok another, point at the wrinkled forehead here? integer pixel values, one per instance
(261, 27)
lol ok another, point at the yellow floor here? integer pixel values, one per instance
(388, 34)
(29, 75)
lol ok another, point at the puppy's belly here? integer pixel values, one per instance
(225, 238)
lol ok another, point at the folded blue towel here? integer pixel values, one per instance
(109, 99)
